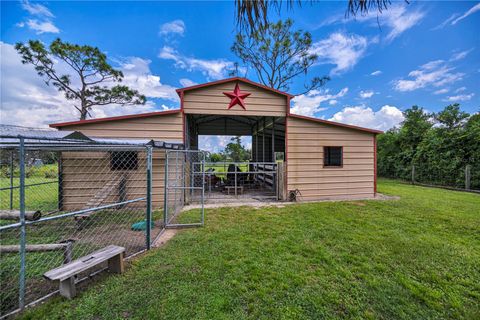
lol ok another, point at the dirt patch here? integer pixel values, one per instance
(256, 204)
(251, 203)
(164, 237)
(380, 196)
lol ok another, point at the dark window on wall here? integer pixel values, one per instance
(124, 160)
(332, 156)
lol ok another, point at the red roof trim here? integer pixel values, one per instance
(245, 80)
(335, 123)
(130, 116)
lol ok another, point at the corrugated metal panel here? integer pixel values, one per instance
(305, 170)
(211, 100)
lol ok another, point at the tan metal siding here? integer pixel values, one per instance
(167, 127)
(85, 173)
(211, 100)
(305, 171)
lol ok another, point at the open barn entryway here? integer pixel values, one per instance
(260, 178)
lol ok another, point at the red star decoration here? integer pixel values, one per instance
(237, 97)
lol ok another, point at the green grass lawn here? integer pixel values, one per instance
(413, 258)
(42, 197)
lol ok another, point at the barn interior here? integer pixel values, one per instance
(258, 177)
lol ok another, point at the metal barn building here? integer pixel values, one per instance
(321, 159)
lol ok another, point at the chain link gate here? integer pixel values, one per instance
(184, 185)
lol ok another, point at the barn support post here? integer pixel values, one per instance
(11, 180)
(263, 141)
(21, 293)
(149, 198)
(273, 139)
(256, 142)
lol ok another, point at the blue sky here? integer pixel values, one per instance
(424, 53)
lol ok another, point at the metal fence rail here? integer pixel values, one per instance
(237, 180)
(88, 197)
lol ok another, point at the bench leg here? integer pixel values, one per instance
(67, 288)
(115, 264)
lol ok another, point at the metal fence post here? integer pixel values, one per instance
(11, 180)
(413, 174)
(21, 293)
(235, 180)
(468, 177)
(203, 188)
(165, 192)
(149, 197)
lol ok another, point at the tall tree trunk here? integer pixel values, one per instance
(83, 114)
(83, 110)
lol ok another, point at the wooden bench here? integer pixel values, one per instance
(67, 272)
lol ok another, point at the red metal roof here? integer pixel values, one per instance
(245, 80)
(130, 116)
(333, 123)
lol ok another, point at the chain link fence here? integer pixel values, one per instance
(61, 200)
(465, 177)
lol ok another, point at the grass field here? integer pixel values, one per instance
(43, 195)
(413, 258)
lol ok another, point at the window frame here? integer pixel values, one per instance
(341, 157)
(113, 165)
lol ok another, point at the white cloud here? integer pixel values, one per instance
(460, 89)
(28, 101)
(214, 69)
(333, 102)
(187, 82)
(342, 50)
(472, 10)
(41, 27)
(460, 55)
(434, 73)
(172, 27)
(310, 103)
(385, 118)
(37, 9)
(137, 75)
(460, 97)
(456, 17)
(444, 23)
(399, 19)
(366, 94)
(376, 73)
(441, 91)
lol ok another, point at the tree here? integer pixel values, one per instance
(414, 127)
(440, 146)
(215, 157)
(93, 74)
(252, 15)
(452, 117)
(235, 150)
(278, 55)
